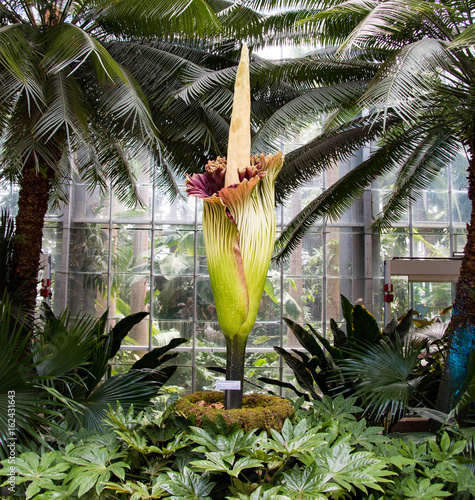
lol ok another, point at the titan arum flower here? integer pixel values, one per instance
(238, 228)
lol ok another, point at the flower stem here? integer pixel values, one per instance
(235, 353)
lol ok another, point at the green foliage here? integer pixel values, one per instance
(76, 360)
(92, 468)
(324, 453)
(65, 376)
(40, 472)
(21, 401)
(382, 367)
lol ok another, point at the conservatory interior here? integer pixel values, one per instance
(99, 255)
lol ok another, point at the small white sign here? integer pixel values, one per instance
(228, 385)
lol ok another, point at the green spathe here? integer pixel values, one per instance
(239, 234)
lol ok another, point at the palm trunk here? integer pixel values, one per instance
(33, 201)
(461, 333)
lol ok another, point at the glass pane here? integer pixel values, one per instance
(431, 243)
(264, 335)
(402, 296)
(130, 249)
(461, 207)
(9, 198)
(209, 335)
(394, 243)
(89, 248)
(87, 293)
(380, 199)
(460, 240)
(181, 211)
(89, 206)
(431, 207)
(431, 298)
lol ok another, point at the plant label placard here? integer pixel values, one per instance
(228, 385)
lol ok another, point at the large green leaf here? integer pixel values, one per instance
(307, 341)
(340, 339)
(347, 310)
(365, 328)
(303, 376)
(122, 329)
(153, 358)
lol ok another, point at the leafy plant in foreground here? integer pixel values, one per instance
(64, 377)
(325, 453)
(76, 361)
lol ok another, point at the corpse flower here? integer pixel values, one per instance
(239, 229)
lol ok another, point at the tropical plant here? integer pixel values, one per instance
(65, 376)
(88, 89)
(382, 367)
(399, 73)
(21, 403)
(325, 453)
(81, 376)
(239, 230)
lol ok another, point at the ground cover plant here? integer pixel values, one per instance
(239, 229)
(325, 451)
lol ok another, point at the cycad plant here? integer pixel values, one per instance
(401, 74)
(239, 230)
(73, 358)
(90, 89)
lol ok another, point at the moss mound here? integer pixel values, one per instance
(258, 410)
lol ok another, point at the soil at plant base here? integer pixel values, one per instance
(259, 411)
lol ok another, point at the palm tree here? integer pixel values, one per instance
(400, 72)
(87, 87)
(63, 95)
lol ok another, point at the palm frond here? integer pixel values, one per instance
(130, 389)
(64, 110)
(379, 20)
(323, 152)
(404, 83)
(20, 402)
(69, 47)
(436, 149)
(16, 50)
(203, 81)
(385, 374)
(164, 177)
(337, 199)
(293, 116)
(158, 17)
(127, 106)
(65, 345)
(465, 39)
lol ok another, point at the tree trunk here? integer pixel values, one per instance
(33, 201)
(461, 333)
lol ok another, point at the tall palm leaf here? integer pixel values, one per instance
(385, 376)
